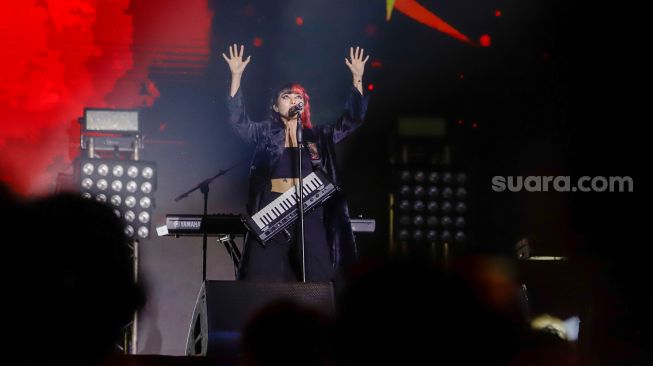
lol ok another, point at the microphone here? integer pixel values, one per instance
(296, 108)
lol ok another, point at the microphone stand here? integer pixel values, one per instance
(203, 186)
(299, 189)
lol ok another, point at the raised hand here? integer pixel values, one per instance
(356, 63)
(235, 59)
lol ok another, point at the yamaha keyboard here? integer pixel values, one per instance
(282, 212)
(226, 224)
(193, 225)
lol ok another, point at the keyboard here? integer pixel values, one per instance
(282, 212)
(193, 225)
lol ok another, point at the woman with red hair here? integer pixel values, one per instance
(329, 241)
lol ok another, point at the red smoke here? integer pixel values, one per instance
(59, 56)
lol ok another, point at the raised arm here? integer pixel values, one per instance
(356, 105)
(238, 118)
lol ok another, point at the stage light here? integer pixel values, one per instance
(129, 216)
(461, 193)
(116, 185)
(447, 193)
(132, 172)
(431, 235)
(406, 176)
(111, 145)
(102, 184)
(146, 187)
(418, 220)
(404, 205)
(418, 235)
(131, 186)
(145, 202)
(126, 186)
(116, 200)
(103, 170)
(110, 121)
(130, 201)
(418, 206)
(144, 217)
(143, 232)
(87, 183)
(485, 40)
(148, 173)
(431, 204)
(118, 170)
(88, 169)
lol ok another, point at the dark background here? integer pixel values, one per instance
(557, 93)
(561, 91)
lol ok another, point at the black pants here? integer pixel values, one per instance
(280, 259)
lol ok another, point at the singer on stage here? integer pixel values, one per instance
(329, 241)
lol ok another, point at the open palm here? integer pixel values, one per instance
(235, 59)
(356, 63)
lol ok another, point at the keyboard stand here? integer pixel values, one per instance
(232, 249)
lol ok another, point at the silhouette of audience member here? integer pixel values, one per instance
(284, 333)
(410, 313)
(494, 281)
(6, 195)
(10, 207)
(545, 348)
(71, 280)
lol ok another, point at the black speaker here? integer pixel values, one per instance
(223, 308)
